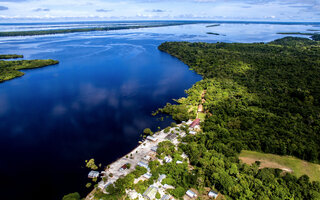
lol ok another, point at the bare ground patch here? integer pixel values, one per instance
(265, 164)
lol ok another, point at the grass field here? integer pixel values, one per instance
(202, 116)
(288, 163)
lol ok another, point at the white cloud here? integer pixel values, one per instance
(155, 9)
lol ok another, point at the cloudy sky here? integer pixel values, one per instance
(266, 10)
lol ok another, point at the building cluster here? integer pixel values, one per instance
(146, 152)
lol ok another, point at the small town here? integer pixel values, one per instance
(140, 158)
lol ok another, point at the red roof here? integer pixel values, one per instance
(195, 123)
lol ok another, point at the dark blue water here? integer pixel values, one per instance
(95, 103)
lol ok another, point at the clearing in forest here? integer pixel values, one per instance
(297, 166)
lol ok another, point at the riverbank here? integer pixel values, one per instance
(146, 151)
(75, 30)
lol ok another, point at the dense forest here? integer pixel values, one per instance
(316, 37)
(262, 97)
(10, 69)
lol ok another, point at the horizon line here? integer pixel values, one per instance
(166, 20)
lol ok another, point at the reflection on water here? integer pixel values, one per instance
(95, 103)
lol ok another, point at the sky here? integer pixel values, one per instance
(82, 10)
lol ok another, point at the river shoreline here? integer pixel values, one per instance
(64, 31)
(141, 153)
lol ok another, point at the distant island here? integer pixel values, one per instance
(10, 56)
(213, 25)
(75, 30)
(239, 128)
(314, 36)
(10, 69)
(313, 29)
(211, 33)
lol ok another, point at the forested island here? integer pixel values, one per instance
(10, 69)
(75, 30)
(211, 33)
(314, 36)
(255, 99)
(10, 56)
(213, 25)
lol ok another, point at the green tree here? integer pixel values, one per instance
(158, 196)
(88, 185)
(72, 196)
(147, 131)
(91, 164)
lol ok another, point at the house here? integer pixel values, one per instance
(191, 194)
(93, 174)
(133, 194)
(147, 175)
(184, 155)
(153, 139)
(142, 164)
(150, 192)
(200, 108)
(213, 194)
(195, 123)
(167, 159)
(179, 162)
(167, 197)
(192, 132)
(161, 177)
(166, 186)
(154, 148)
(147, 158)
(124, 167)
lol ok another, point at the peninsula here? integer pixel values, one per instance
(10, 69)
(315, 36)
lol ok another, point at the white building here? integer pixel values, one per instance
(167, 197)
(191, 194)
(147, 175)
(133, 194)
(166, 186)
(167, 159)
(192, 132)
(142, 164)
(150, 192)
(161, 177)
(147, 158)
(93, 174)
(213, 194)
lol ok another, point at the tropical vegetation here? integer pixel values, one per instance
(10, 69)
